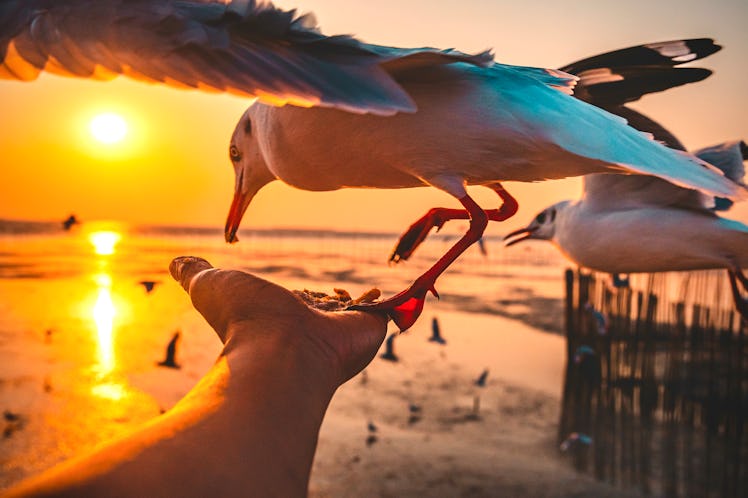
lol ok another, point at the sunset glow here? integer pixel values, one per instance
(108, 128)
(104, 242)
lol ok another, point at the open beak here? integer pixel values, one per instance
(518, 236)
(238, 206)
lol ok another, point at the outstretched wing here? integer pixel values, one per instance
(241, 46)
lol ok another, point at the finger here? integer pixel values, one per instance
(184, 269)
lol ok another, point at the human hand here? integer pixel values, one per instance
(244, 309)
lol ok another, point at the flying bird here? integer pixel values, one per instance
(481, 380)
(170, 360)
(149, 285)
(361, 115)
(626, 224)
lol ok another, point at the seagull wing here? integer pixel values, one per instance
(627, 74)
(632, 191)
(241, 46)
(612, 79)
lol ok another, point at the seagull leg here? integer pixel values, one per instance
(741, 304)
(436, 217)
(405, 307)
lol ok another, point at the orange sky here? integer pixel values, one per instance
(173, 167)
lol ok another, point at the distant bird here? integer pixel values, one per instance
(575, 440)
(463, 119)
(372, 437)
(583, 352)
(415, 413)
(71, 220)
(587, 363)
(149, 285)
(626, 224)
(601, 321)
(620, 281)
(436, 335)
(171, 352)
(481, 380)
(10, 416)
(389, 351)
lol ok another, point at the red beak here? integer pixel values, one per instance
(236, 211)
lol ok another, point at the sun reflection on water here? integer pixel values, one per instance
(104, 241)
(103, 315)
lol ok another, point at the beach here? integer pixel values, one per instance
(80, 339)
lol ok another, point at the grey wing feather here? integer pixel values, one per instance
(636, 190)
(242, 47)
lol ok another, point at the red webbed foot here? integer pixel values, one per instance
(405, 307)
(437, 217)
(418, 231)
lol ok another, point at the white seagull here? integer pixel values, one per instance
(635, 224)
(363, 115)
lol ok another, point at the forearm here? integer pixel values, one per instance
(249, 428)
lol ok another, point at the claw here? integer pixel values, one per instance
(403, 309)
(418, 231)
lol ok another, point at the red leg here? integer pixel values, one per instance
(436, 217)
(741, 304)
(405, 307)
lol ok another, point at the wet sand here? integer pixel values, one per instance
(80, 346)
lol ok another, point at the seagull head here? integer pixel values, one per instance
(250, 169)
(542, 227)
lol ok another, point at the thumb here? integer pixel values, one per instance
(185, 268)
(198, 277)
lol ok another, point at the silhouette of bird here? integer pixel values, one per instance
(371, 427)
(372, 437)
(481, 380)
(69, 222)
(436, 335)
(415, 413)
(620, 281)
(149, 285)
(389, 351)
(171, 352)
(529, 128)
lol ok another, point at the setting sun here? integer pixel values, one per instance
(108, 128)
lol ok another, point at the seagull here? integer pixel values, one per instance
(626, 224)
(360, 115)
(389, 351)
(149, 285)
(481, 380)
(575, 440)
(70, 222)
(171, 352)
(436, 335)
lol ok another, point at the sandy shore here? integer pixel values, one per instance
(68, 402)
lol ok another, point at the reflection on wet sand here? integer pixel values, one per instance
(103, 313)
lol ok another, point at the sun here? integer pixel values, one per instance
(108, 128)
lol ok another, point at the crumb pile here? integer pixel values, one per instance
(335, 302)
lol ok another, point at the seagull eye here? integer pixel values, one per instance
(540, 218)
(234, 153)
